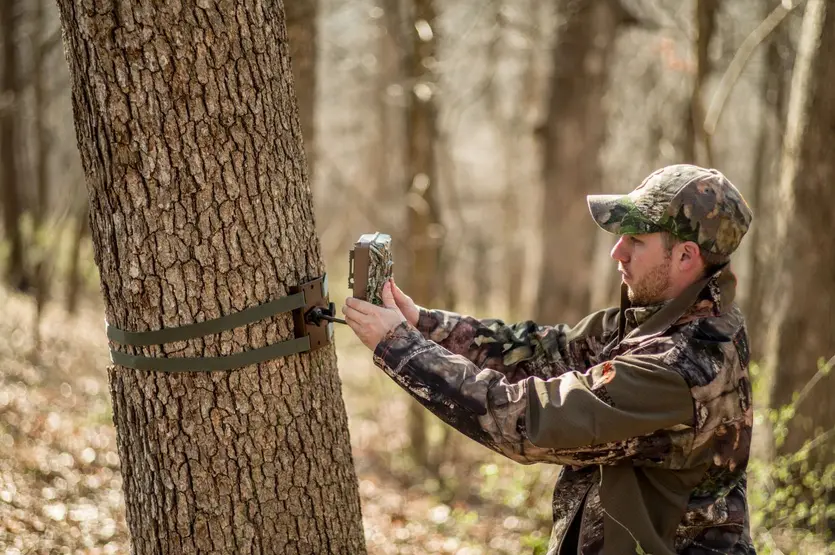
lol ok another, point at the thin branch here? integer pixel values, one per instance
(815, 443)
(741, 58)
(815, 379)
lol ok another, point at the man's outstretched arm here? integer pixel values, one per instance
(603, 416)
(517, 350)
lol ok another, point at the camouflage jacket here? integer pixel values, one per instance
(648, 409)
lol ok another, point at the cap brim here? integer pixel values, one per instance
(618, 214)
(607, 211)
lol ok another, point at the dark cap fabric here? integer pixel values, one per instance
(694, 204)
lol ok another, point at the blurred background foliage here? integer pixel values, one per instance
(471, 131)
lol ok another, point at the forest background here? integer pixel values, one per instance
(470, 131)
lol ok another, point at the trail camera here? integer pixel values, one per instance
(370, 265)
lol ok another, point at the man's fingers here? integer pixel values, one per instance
(388, 296)
(353, 324)
(353, 313)
(399, 295)
(358, 304)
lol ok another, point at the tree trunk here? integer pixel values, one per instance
(189, 136)
(301, 32)
(387, 157)
(517, 191)
(40, 259)
(422, 218)
(573, 136)
(697, 143)
(81, 230)
(16, 275)
(766, 173)
(802, 326)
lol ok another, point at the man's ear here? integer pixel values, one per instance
(689, 256)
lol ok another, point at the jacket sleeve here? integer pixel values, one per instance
(519, 350)
(615, 411)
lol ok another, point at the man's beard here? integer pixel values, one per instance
(650, 290)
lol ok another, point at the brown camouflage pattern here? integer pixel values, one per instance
(474, 374)
(693, 203)
(380, 267)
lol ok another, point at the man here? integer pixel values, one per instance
(647, 406)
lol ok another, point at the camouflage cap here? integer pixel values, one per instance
(693, 203)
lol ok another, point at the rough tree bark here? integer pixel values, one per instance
(200, 207)
(301, 32)
(572, 138)
(16, 275)
(802, 325)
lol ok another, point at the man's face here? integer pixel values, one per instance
(645, 266)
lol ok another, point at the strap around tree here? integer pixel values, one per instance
(308, 296)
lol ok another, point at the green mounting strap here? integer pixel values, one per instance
(209, 364)
(200, 329)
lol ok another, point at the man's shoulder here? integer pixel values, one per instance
(705, 348)
(712, 357)
(602, 324)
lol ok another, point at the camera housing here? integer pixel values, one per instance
(370, 265)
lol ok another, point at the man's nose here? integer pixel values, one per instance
(619, 251)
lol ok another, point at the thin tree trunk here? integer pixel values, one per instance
(481, 282)
(389, 155)
(512, 131)
(42, 134)
(802, 326)
(573, 137)
(16, 275)
(766, 173)
(189, 135)
(422, 218)
(81, 231)
(697, 144)
(42, 262)
(301, 32)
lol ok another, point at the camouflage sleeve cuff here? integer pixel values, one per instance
(398, 346)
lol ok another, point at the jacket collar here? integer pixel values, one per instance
(712, 295)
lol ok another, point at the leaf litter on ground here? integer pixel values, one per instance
(60, 484)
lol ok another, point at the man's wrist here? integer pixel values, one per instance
(397, 345)
(425, 322)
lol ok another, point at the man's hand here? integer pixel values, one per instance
(371, 323)
(405, 303)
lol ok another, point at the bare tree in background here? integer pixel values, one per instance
(41, 254)
(515, 131)
(81, 230)
(423, 234)
(388, 158)
(301, 32)
(766, 174)
(199, 207)
(697, 144)
(16, 274)
(572, 138)
(802, 325)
